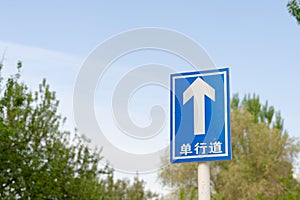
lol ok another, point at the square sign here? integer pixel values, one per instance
(200, 116)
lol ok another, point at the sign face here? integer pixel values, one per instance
(200, 116)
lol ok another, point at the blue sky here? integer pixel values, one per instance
(258, 40)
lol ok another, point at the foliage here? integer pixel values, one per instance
(294, 9)
(182, 194)
(39, 161)
(123, 189)
(263, 154)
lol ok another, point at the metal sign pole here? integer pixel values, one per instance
(203, 181)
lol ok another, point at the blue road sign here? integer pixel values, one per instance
(200, 116)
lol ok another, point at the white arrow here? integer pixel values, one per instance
(198, 89)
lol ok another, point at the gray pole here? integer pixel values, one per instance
(203, 181)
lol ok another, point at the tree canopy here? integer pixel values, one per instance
(262, 161)
(294, 9)
(40, 161)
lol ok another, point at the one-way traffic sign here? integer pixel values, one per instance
(200, 116)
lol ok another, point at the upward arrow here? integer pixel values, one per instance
(198, 89)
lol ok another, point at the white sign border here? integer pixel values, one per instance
(200, 74)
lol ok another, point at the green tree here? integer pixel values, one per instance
(137, 191)
(262, 160)
(294, 9)
(39, 161)
(124, 189)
